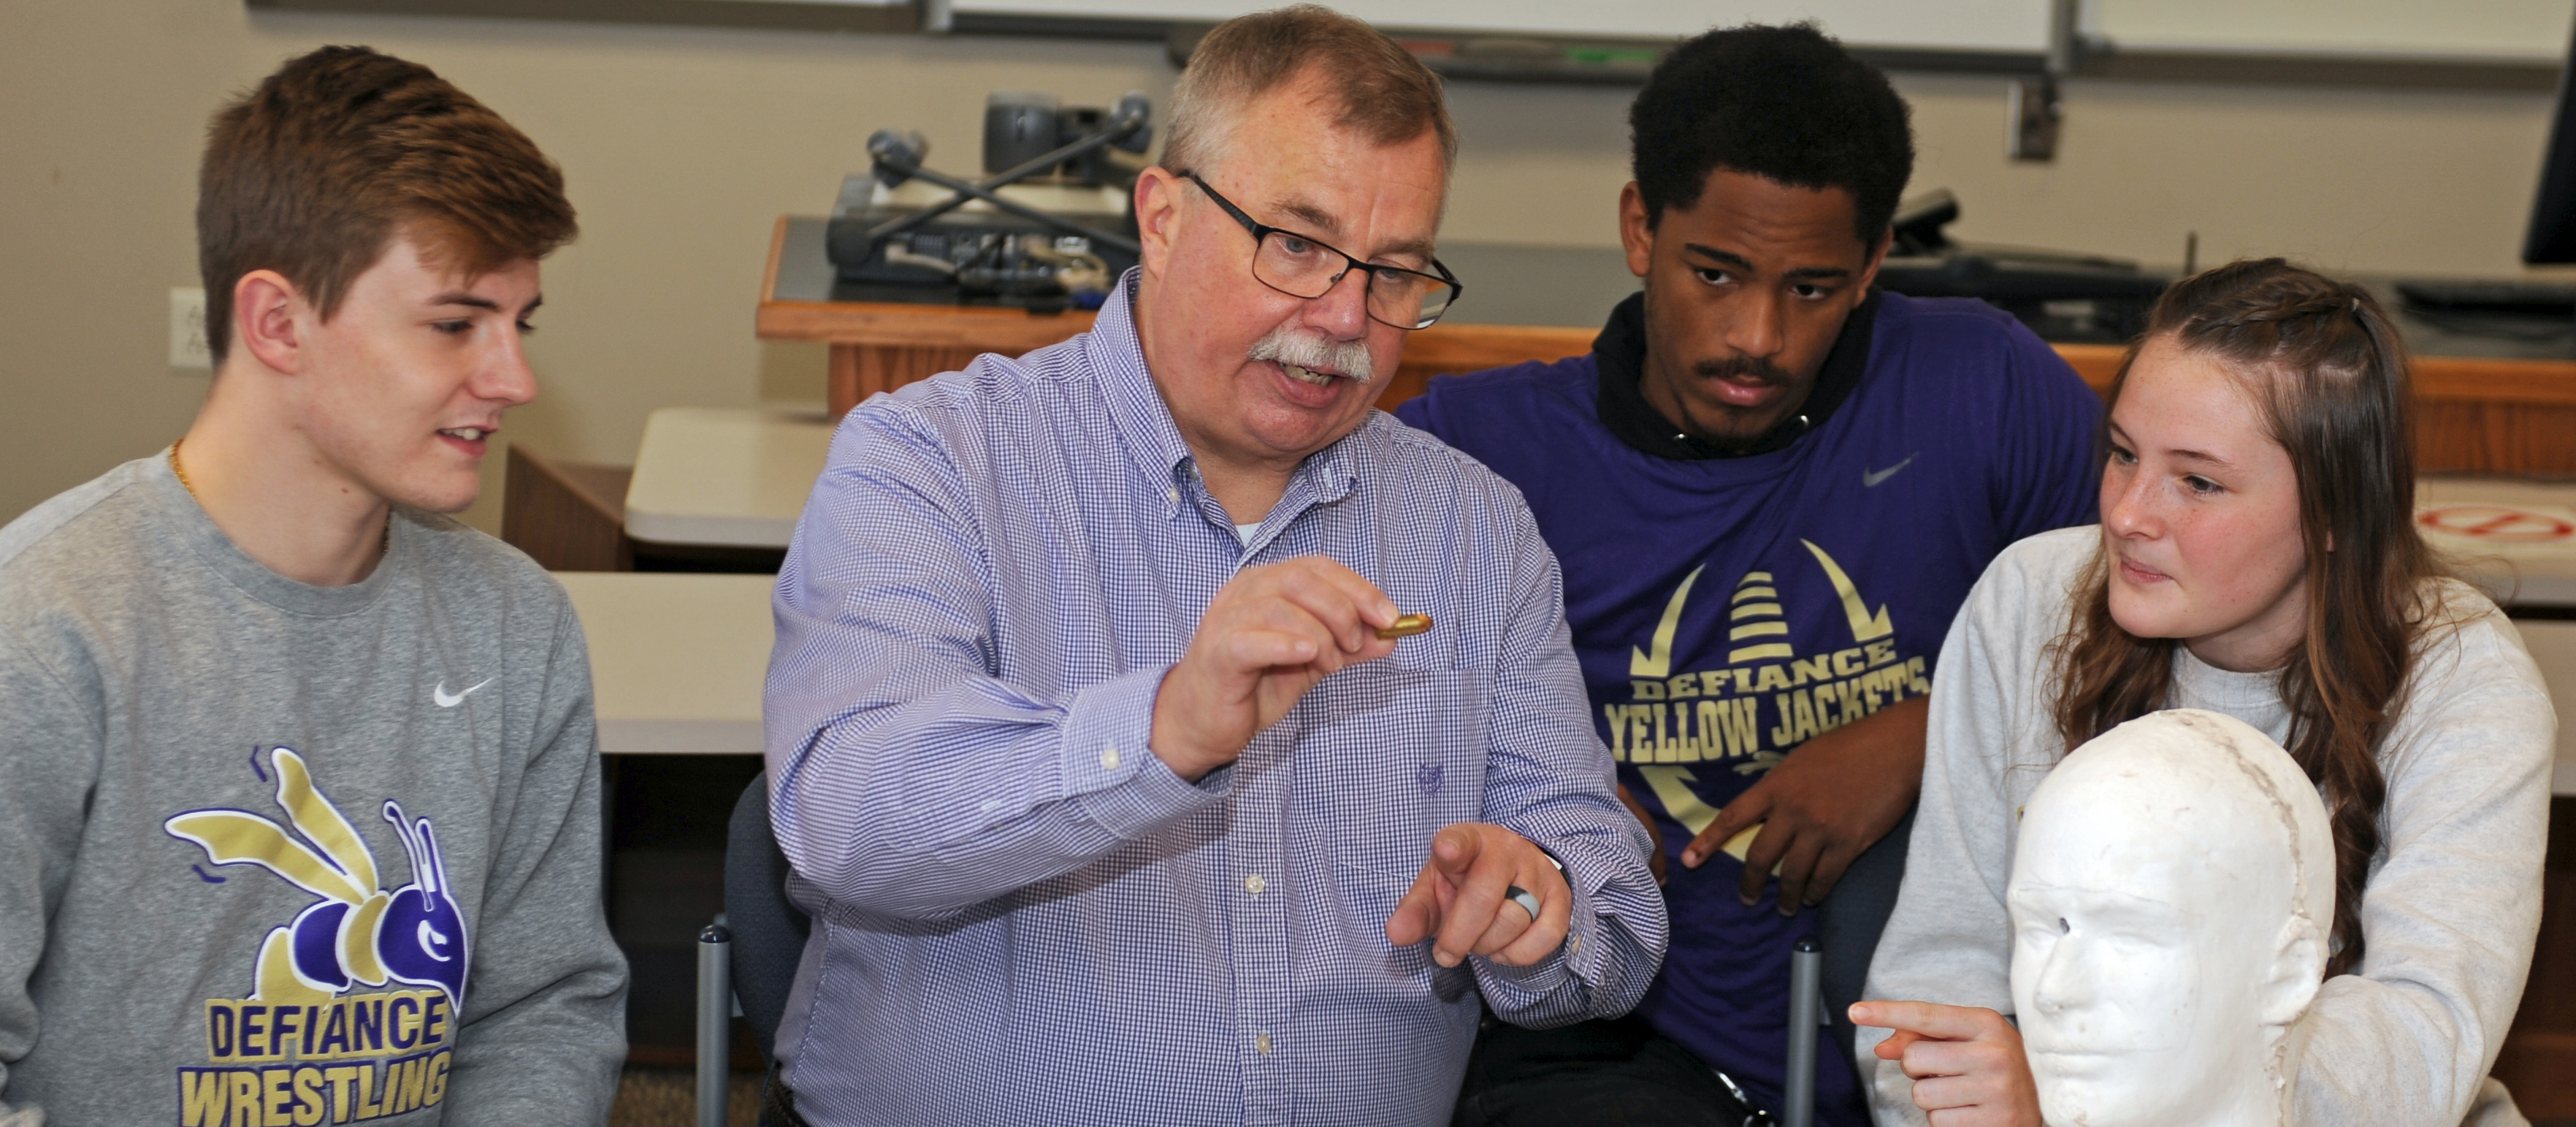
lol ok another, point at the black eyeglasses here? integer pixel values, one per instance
(1300, 266)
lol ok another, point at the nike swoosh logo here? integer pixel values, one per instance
(1870, 478)
(447, 699)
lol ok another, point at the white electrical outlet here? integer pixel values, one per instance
(188, 330)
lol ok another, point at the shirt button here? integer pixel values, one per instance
(1255, 885)
(1262, 1043)
(1173, 495)
(1109, 758)
(1574, 946)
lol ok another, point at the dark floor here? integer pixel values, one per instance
(668, 1097)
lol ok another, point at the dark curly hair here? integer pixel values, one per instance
(1787, 104)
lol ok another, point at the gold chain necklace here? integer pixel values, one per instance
(182, 474)
(384, 549)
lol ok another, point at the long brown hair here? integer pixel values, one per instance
(2329, 377)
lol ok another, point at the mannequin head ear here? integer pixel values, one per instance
(2298, 970)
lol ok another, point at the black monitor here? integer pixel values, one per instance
(2552, 236)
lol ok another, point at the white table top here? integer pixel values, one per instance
(2553, 648)
(676, 658)
(739, 476)
(2513, 536)
(733, 476)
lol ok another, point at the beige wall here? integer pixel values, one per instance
(682, 145)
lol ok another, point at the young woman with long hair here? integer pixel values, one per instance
(2257, 556)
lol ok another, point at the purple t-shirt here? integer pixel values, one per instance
(1726, 609)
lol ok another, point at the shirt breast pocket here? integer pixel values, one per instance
(1390, 759)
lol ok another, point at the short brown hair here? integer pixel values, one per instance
(1386, 94)
(314, 173)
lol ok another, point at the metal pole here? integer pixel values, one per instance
(1806, 1012)
(715, 1026)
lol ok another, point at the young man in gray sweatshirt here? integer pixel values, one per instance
(301, 805)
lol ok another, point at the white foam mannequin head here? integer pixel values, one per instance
(2171, 896)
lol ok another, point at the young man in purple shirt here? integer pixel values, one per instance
(1771, 485)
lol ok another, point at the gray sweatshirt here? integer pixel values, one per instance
(2453, 901)
(277, 853)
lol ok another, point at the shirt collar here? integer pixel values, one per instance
(1620, 353)
(1117, 361)
(1153, 440)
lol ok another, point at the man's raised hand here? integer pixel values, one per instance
(1268, 636)
(1458, 900)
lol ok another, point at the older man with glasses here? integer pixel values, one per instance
(1107, 744)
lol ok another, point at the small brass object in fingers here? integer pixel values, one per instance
(1405, 625)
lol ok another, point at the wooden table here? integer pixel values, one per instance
(880, 346)
(2478, 414)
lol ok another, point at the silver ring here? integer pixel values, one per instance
(1523, 897)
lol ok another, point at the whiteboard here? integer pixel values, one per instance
(1995, 26)
(2528, 30)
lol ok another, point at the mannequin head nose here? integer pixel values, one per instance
(2065, 983)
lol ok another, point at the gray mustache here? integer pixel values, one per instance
(1313, 351)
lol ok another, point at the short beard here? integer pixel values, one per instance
(1313, 351)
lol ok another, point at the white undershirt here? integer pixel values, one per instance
(1243, 532)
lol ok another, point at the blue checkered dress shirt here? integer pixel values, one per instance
(1021, 915)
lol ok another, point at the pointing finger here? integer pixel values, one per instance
(1931, 1020)
(1745, 813)
(1418, 914)
(1454, 850)
(1479, 901)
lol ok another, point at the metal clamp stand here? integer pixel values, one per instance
(898, 158)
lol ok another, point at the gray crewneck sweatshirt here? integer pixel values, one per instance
(2451, 910)
(286, 854)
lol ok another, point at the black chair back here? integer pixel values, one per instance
(768, 931)
(1848, 923)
